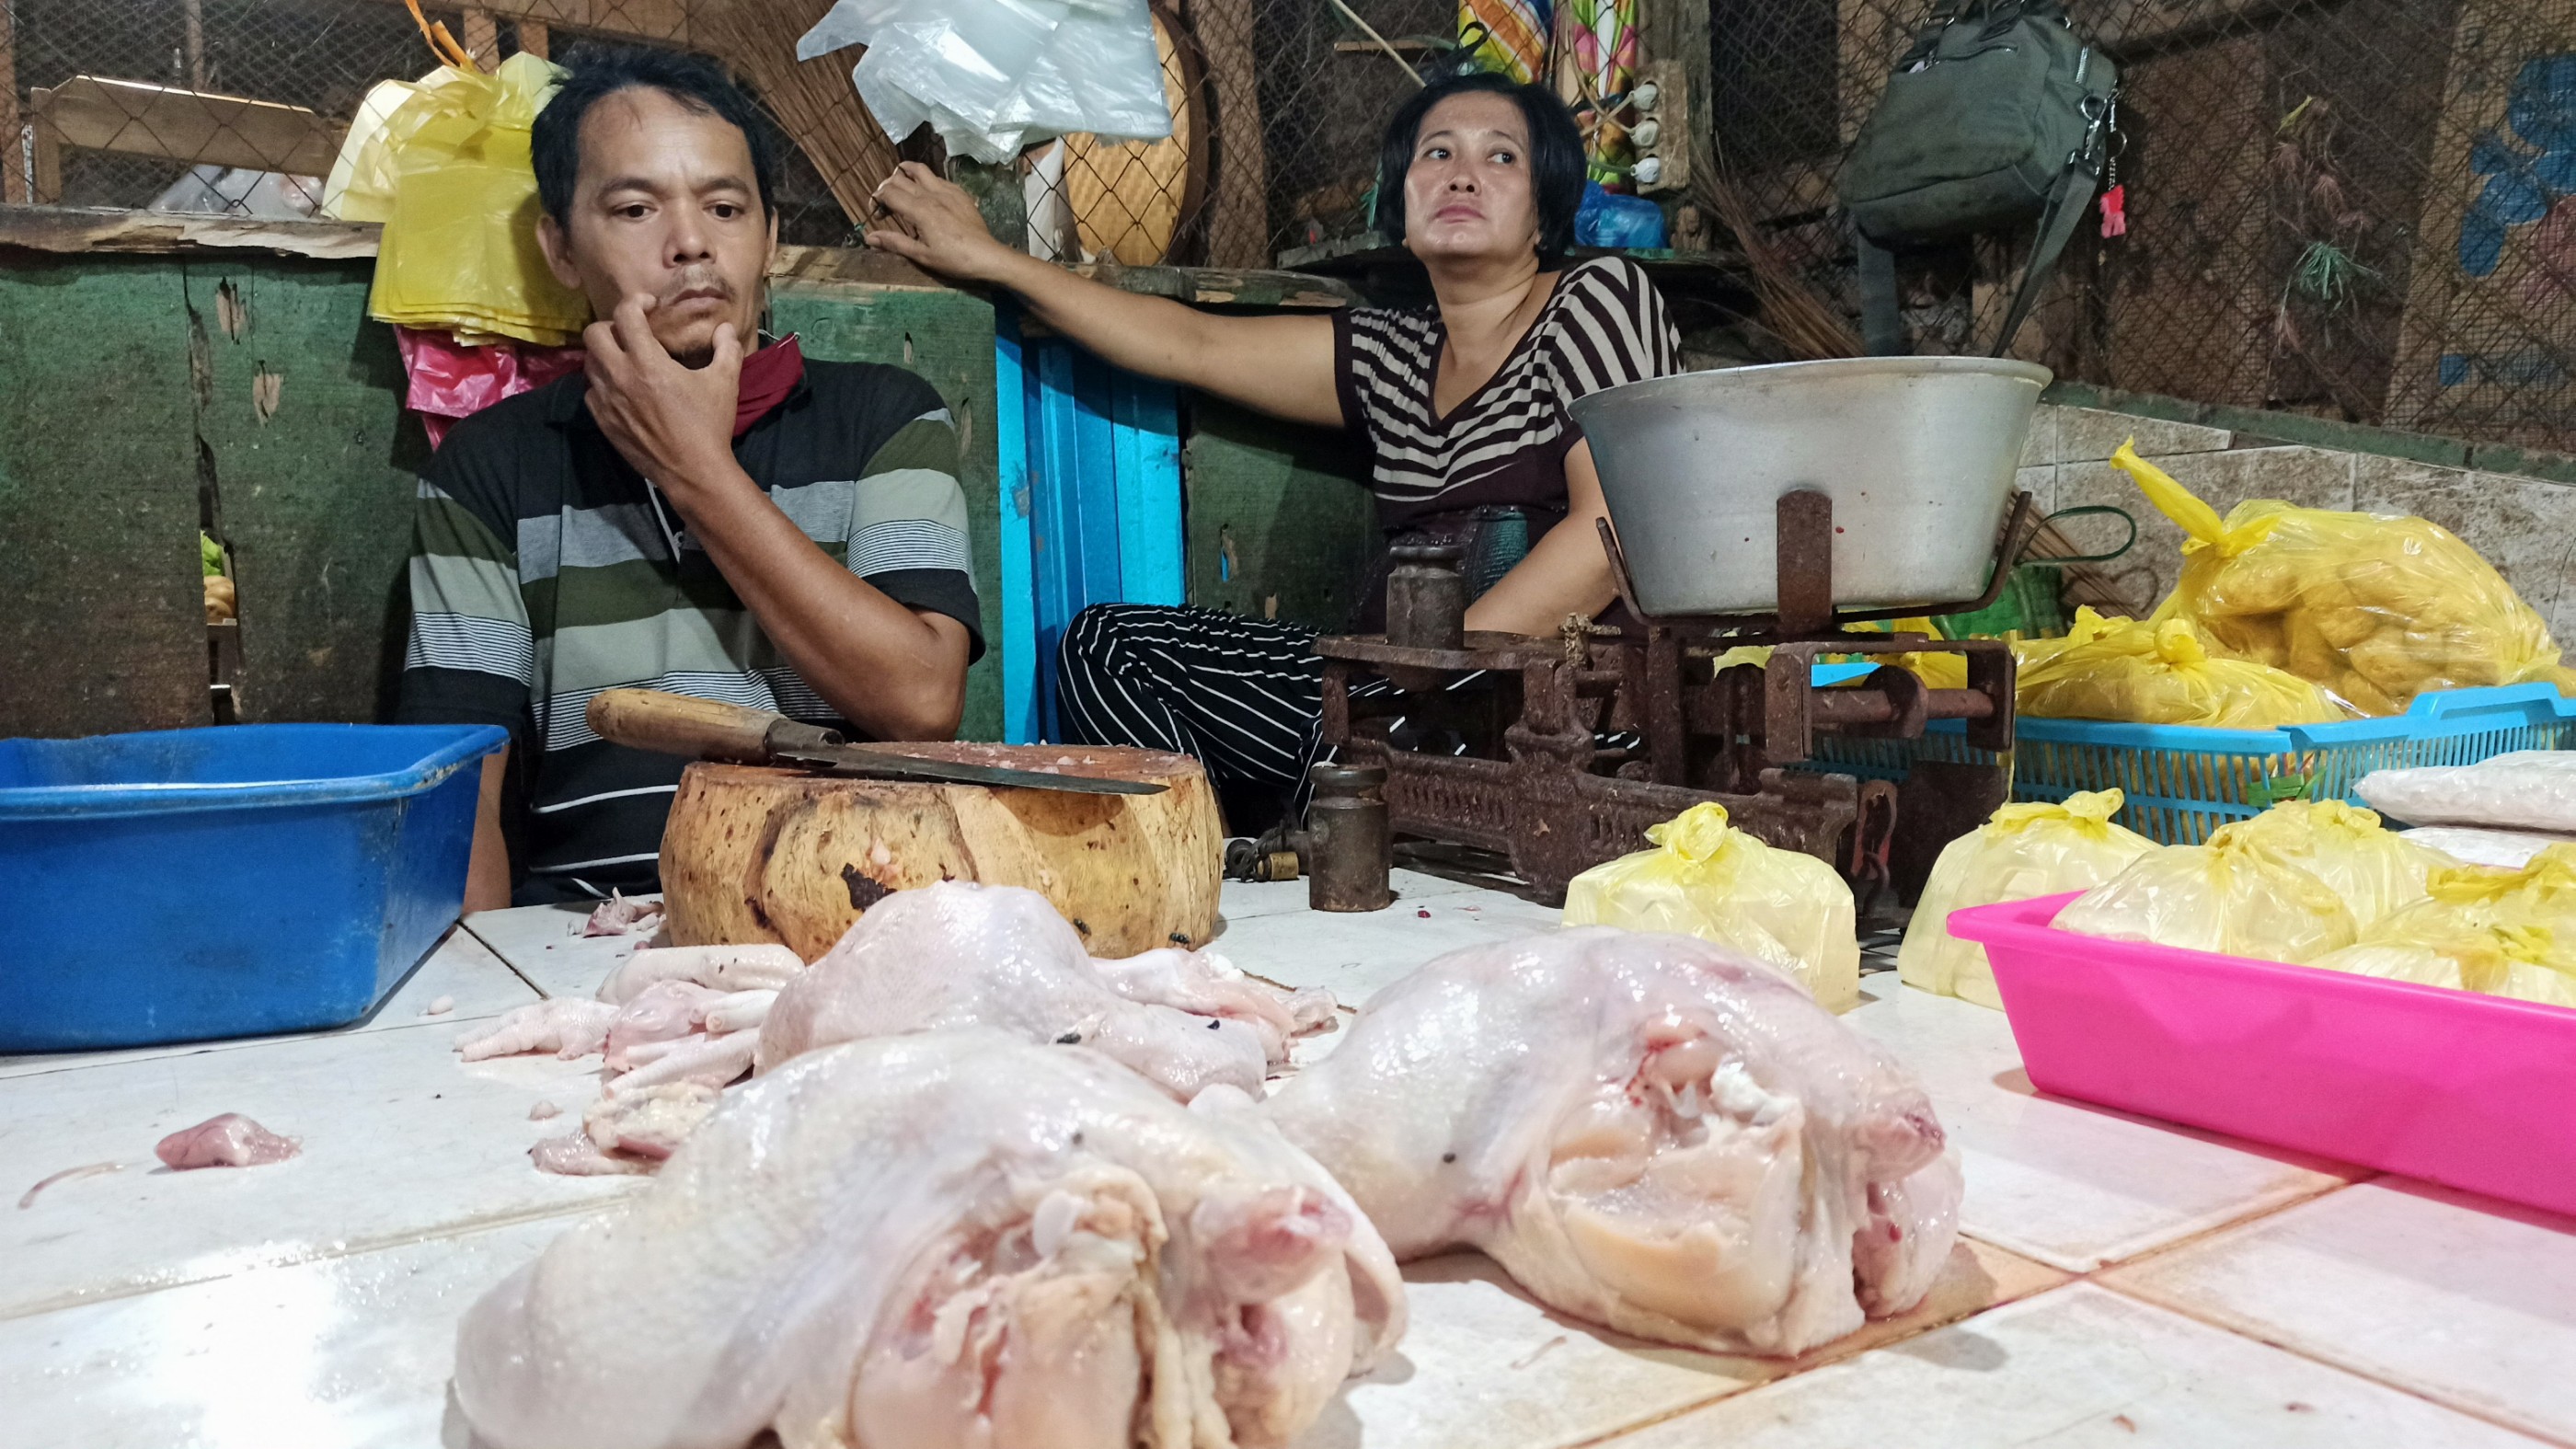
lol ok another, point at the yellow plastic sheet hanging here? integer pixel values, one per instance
(2232, 896)
(1706, 878)
(2376, 609)
(2162, 673)
(2024, 851)
(443, 163)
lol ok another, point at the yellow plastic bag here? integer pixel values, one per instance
(2375, 608)
(2374, 871)
(2504, 933)
(2024, 851)
(2228, 896)
(2162, 673)
(445, 168)
(1706, 878)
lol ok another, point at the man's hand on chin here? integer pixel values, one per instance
(674, 423)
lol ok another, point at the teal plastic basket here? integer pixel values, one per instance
(2184, 782)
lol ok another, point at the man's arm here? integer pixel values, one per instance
(487, 873)
(895, 672)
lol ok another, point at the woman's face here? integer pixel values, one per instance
(1469, 193)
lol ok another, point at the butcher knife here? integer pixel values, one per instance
(709, 729)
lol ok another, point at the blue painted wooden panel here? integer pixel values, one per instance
(1097, 505)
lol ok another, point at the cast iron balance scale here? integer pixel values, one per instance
(1517, 763)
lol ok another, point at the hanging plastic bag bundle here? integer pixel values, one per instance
(2372, 870)
(2163, 674)
(1706, 878)
(2503, 933)
(2375, 608)
(443, 163)
(2024, 851)
(2229, 896)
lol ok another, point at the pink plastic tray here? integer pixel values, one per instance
(2477, 1092)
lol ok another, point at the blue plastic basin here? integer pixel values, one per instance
(188, 884)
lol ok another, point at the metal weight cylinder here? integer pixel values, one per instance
(1352, 856)
(1426, 597)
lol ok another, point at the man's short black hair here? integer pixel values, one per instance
(1555, 159)
(600, 71)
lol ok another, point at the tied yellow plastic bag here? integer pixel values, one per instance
(2162, 673)
(1706, 878)
(2024, 851)
(446, 169)
(2503, 933)
(2375, 608)
(2374, 871)
(2229, 896)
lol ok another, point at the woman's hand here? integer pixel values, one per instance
(932, 223)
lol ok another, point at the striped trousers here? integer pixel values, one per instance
(1243, 696)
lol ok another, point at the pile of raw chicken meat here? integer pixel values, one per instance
(983, 1191)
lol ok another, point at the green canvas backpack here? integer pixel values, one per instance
(1999, 113)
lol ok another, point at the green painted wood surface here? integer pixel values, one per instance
(102, 621)
(947, 337)
(1279, 525)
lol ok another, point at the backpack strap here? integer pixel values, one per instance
(2075, 188)
(1882, 327)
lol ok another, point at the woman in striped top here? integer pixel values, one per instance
(1464, 405)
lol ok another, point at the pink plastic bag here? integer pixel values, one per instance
(451, 381)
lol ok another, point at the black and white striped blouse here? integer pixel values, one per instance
(1505, 443)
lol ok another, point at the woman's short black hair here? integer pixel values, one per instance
(601, 71)
(1555, 156)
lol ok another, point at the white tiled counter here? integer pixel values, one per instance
(2120, 1283)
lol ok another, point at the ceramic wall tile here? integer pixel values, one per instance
(2077, 1366)
(2310, 477)
(2071, 1185)
(2039, 449)
(352, 1352)
(2086, 435)
(545, 944)
(2525, 527)
(2459, 1298)
(474, 982)
(2041, 484)
(400, 1139)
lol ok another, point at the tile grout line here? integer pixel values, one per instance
(2348, 1370)
(338, 1252)
(498, 955)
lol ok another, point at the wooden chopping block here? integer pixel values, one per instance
(754, 853)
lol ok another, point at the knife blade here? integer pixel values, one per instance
(708, 729)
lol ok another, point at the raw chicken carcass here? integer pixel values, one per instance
(1207, 984)
(955, 1240)
(566, 1027)
(1646, 1131)
(663, 1011)
(724, 968)
(231, 1140)
(958, 954)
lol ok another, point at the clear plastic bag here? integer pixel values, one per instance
(2504, 933)
(1706, 878)
(2025, 850)
(2375, 608)
(2373, 871)
(2527, 790)
(2227, 896)
(2496, 849)
(992, 76)
(2163, 673)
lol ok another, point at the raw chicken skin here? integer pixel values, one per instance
(958, 954)
(955, 1240)
(231, 1140)
(1206, 984)
(1646, 1131)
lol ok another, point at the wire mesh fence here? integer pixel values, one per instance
(2362, 209)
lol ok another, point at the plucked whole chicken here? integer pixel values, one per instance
(950, 1240)
(1646, 1131)
(958, 954)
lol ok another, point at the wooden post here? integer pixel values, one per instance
(482, 38)
(1239, 202)
(13, 160)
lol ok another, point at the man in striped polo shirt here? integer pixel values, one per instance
(695, 512)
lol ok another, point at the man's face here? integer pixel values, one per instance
(666, 205)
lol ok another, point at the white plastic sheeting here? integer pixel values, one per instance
(992, 76)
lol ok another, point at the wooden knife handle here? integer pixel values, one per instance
(676, 724)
